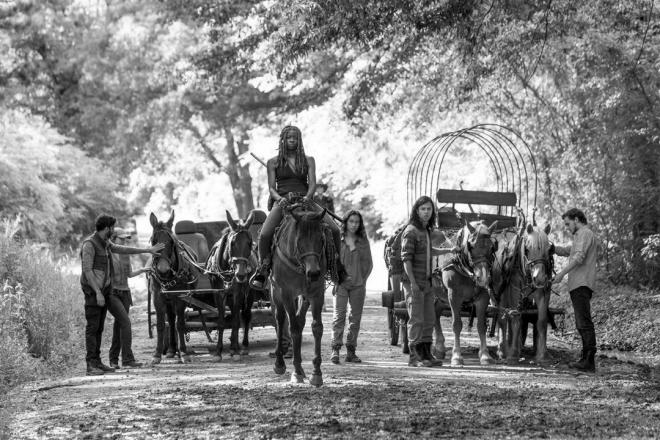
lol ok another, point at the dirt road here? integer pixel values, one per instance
(380, 398)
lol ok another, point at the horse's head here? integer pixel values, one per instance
(310, 242)
(480, 247)
(239, 247)
(165, 262)
(537, 255)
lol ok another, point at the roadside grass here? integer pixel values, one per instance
(41, 316)
(625, 318)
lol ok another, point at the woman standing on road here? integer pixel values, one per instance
(355, 255)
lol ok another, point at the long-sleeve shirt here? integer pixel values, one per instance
(416, 248)
(357, 262)
(584, 251)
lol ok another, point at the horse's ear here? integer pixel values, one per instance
(470, 227)
(153, 220)
(547, 229)
(230, 220)
(170, 221)
(530, 228)
(492, 227)
(249, 220)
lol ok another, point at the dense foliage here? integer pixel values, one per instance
(167, 93)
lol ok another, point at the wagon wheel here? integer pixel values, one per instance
(393, 325)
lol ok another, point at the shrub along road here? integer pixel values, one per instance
(380, 398)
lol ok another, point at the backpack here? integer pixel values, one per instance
(392, 252)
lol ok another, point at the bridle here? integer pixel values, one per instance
(234, 260)
(527, 267)
(296, 261)
(175, 276)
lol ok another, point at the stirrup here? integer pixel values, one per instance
(258, 280)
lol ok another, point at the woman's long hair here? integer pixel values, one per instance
(301, 159)
(414, 217)
(360, 230)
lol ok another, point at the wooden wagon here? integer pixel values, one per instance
(201, 312)
(516, 181)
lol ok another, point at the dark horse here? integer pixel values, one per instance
(523, 270)
(230, 264)
(467, 277)
(171, 270)
(297, 281)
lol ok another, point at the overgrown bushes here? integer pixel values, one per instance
(41, 313)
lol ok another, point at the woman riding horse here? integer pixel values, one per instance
(291, 178)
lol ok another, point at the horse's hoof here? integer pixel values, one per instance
(187, 359)
(439, 353)
(457, 362)
(545, 360)
(510, 361)
(486, 360)
(155, 360)
(236, 357)
(297, 378)
(169, 355)
(216, 359)
(279, 370)
(245, 352)
(316, 380)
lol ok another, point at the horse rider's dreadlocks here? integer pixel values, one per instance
(301, 160)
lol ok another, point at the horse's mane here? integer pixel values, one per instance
(538, 239)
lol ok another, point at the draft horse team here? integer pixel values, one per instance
(298, 252)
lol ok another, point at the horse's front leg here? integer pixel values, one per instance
(297, 310)
(502, 336)
(439, 350)
(180, 312)
(542, 299)
(159, 307)
(247, 319)
(481, 305)
(280, 318)
(172, 347)
(219, 298)
(317, 331)
(455, 301)
(235, 307)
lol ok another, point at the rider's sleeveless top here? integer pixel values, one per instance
(287, 180)
(102, 260)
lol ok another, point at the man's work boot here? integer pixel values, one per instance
(435, 362)
(132, 364)
(423, 355)
(334, 357)
(114, 364)
(258, 280)
(100, 365)
(414, 360)
(93, 370)
(587, 361)
(351, 356)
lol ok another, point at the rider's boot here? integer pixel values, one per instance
(423, 354)
(587, 361)
(258, 280)
(334, 357)
(351, 356)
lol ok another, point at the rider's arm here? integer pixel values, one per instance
(270, 170)
(563, 251)
(311, 177)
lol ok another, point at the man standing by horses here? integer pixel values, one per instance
(96, 282)
(581, 271)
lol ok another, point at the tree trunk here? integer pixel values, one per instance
(239, 175)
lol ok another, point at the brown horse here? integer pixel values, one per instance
(171, 270)
(297, 281)
(230, 264)
(523, 270)
(467, 277)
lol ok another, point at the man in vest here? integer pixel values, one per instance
(96, 281)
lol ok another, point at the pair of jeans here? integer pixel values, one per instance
(122, 332)
(95, 320)
(581, 299)
(421, 313)
(343, 297)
